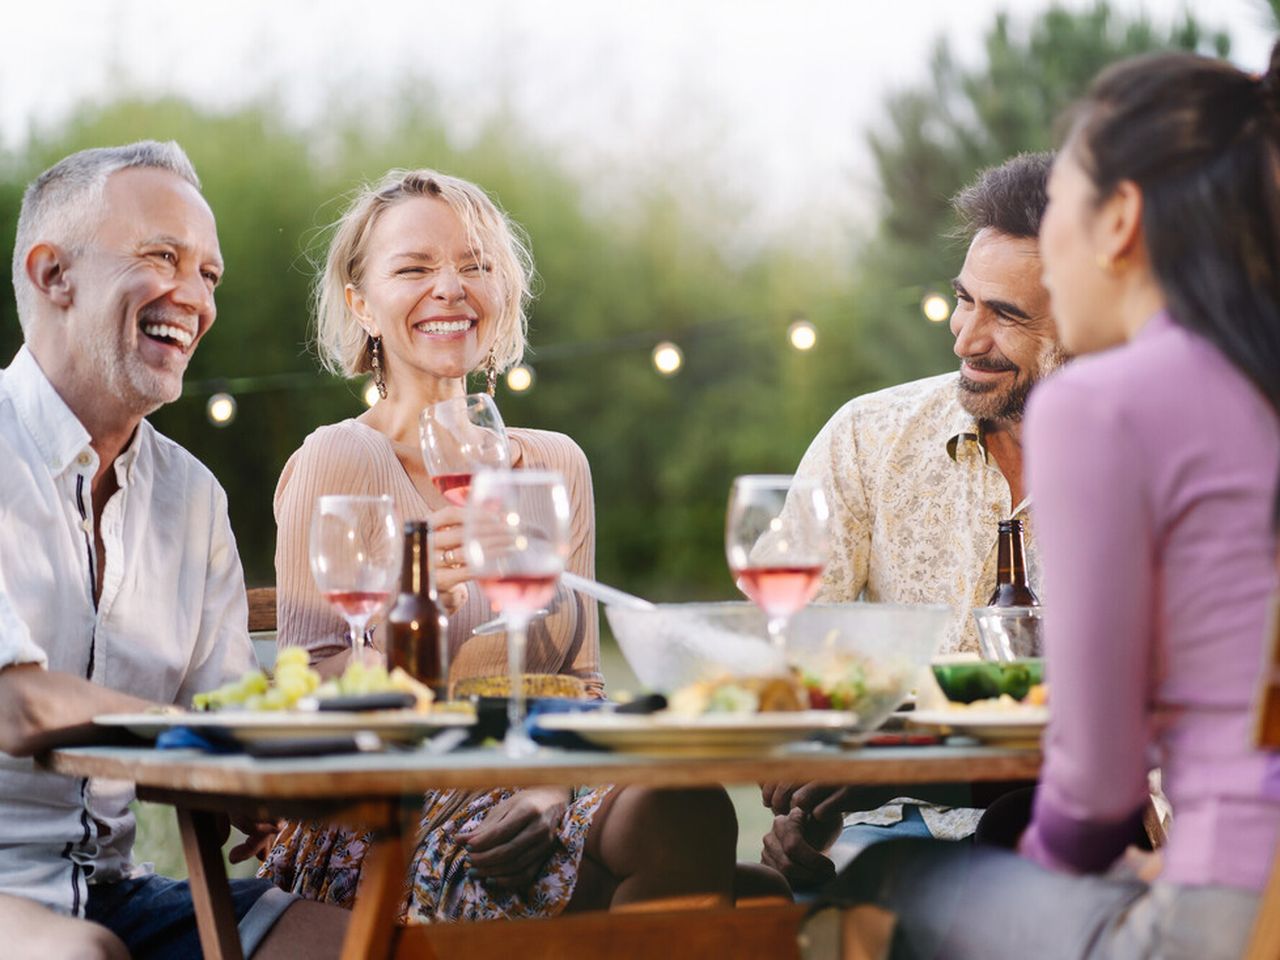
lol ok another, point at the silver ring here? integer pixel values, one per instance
(448, 558)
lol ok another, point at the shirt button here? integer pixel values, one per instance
(84, 459)
(86, 525)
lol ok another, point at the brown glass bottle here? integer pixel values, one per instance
(417, 629)
(1012, 589)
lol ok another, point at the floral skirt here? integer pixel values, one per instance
(321, 861)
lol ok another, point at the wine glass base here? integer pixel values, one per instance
(517, 744)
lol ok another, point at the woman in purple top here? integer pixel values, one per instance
(1154, 462)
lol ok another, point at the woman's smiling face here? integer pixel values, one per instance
(427, 291)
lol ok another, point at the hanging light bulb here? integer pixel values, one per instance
(802, 334)
(221, 409)
(520, 378)
(935, 307)
(667, 358)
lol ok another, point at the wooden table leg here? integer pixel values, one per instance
(210, 892)
(372, 932)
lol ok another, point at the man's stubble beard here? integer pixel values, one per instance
(128, 379)
(1007, 404)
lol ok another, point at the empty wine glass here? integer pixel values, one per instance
(775, 539)
(356, 549)
(516, 538)
(459, 438)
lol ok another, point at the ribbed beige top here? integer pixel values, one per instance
(352, 458)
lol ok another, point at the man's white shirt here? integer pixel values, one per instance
(171, 619)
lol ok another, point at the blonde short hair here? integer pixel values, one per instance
(344, 345)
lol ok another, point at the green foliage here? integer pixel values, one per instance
(613, 283)
(936, 137)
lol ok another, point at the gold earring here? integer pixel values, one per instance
(375, 361)
(491, 373)
(1110, 264)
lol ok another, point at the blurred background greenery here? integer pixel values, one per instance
(614, 281)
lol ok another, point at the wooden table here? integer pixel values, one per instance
(383, 792)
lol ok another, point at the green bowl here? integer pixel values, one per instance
(968, 681)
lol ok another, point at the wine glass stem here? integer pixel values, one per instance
(517, 741)
(778, 631)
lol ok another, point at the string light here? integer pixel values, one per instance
(935, 307)
(520, 378)
(667, 358)
(221, 409)
(370, 394)
(802, 334)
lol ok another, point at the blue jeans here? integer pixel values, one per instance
(961, 901)
(155, 917)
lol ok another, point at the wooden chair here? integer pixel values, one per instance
(1265, 942)
(262, 624)
(262, 610)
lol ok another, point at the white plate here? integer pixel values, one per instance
(246, 726)
(1016, 726)
(717, 734)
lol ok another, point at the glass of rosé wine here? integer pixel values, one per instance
(460, 437)
(516, 539)
(775, 538)
(356, 549)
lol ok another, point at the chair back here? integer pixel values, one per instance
(262, 625)
(1265, 941)
(262, 610)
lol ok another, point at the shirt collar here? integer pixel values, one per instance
(57, 433)
(963, 429)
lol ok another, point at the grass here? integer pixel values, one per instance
(159, 843)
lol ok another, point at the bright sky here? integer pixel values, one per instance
(770, 97)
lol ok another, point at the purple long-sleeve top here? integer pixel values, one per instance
(1153, 468)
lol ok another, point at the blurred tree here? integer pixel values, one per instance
(613, 281)
(937, 136)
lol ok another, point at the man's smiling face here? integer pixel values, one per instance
(1005, 337)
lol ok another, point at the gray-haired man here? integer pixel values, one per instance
(120, 586)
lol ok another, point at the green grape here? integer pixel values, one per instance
(293, 688)
(255, 681)
(275, 699)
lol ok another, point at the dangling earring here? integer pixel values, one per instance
(491, 373)
(375, 361)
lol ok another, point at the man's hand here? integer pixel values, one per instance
(510, 847)
(823, 800)
(793, 854)
(259, 836)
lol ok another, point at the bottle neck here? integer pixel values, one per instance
(1011, 566)
(416, 574)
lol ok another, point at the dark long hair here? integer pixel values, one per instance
(1201, 139)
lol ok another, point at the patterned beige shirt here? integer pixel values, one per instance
(914, 504)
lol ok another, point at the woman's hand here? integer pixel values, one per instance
(509, 848)
(452, 572)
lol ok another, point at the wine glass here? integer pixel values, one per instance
(356, 549)
(775, 539)
(460, 437)
(516, 538)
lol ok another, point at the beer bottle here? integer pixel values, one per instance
(417, 629)
(1012, 589)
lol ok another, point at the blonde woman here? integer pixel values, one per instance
(426, 283)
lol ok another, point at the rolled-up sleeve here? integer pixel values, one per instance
(16, 645)
(1095, 524)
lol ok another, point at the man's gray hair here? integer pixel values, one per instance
(60, 205)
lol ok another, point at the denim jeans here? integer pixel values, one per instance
(155, 917)
(961, 901)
